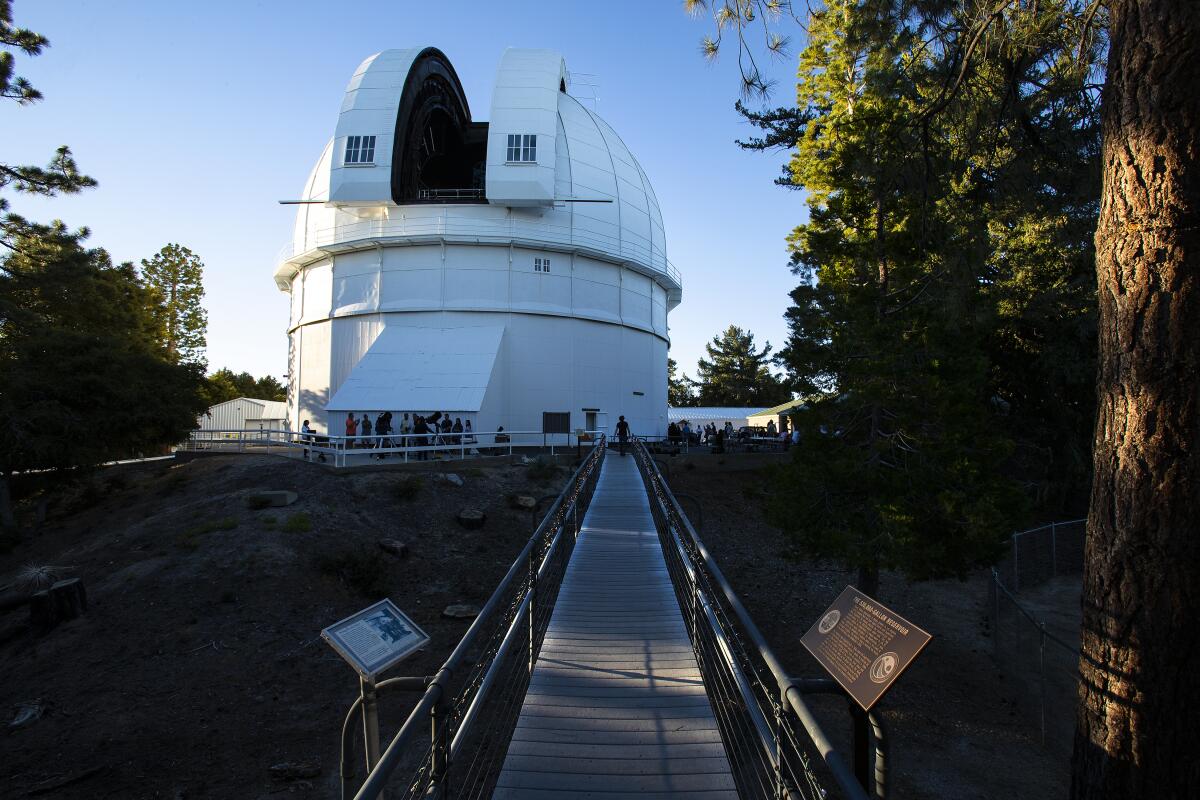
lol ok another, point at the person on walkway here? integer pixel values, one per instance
(351, 429)
(469, 435)
(771, 432)
(364, 429)
(421, 428)
(622, 434)
(305, 437)
(383, 429)
(458, 429)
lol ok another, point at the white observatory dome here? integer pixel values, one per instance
(523, 244)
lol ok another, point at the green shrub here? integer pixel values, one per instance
(358, 569)
(408, 487)
(190, 539)
(299, 522)
(175, 481)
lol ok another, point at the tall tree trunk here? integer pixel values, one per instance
(1140, 659)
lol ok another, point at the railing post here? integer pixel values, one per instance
(1016, 565)
(879, 751)
(1053, 550)
(532, 591)
(996, 626)
(1042, 677)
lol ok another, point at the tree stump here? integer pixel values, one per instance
(63, 601)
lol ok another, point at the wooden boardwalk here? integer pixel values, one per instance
(616, 707)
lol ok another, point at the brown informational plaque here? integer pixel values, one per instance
(864, 645)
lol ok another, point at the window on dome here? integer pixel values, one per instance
(360, 150)
(522, 148)
(541, 265)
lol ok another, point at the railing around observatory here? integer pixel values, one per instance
(348, 451)
(458, 224)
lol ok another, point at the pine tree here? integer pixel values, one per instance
(1142, 555)
(736, 373)
(679, 393)
(61, 175)
(225, 384)
(83, 377)
(176, 277)
(943, 266)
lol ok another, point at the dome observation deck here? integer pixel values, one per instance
(531, 245)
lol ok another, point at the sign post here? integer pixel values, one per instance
(864, 646)
(373, 640)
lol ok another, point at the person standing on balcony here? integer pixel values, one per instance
(351, 429)
(622, 434)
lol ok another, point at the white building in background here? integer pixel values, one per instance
(497, 271)
(245, 414)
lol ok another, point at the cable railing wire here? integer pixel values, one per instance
(454, 741)
(769, 733)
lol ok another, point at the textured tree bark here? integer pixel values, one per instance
(1140, 659)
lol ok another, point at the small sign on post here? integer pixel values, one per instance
(371, 641)
(375, 638)
(864, 645)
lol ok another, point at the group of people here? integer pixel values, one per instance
(419, 431)
(708, 434)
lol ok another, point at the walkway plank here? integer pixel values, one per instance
(616, 707)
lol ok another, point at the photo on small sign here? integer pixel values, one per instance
(389, 628)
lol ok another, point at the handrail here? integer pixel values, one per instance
(696, 558)
(342, 447)
(546, 543)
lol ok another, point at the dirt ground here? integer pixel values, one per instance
(199, 665)
(952, 717)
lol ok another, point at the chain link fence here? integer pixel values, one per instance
(1034, 618)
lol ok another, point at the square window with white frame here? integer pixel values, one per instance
(541, 265)
(360, 150)
(522, 148)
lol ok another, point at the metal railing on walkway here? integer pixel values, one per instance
(348, 451)
(768, 729)
(454, 741)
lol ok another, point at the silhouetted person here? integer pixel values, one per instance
(622, 434)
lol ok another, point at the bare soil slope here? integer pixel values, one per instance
(199, 665)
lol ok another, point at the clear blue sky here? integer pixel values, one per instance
(197, 117)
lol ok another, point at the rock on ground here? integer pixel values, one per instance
(471, 518)
(461, 611)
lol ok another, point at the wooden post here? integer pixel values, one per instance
(63, 601)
